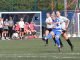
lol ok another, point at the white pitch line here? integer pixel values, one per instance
(56, 57)
(43, 54)
(64, 53)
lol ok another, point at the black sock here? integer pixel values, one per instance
(69, 42)
(46, 41)
(61, 42)
(54, 40)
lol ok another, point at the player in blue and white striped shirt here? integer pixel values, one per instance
(64, 23)
(56, 32)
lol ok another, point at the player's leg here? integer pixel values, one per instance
(7, 36)
(60, 42)
(7, 33)
(34, 33)
(22, 33)
(57, 37)
(68, 40)
(1, 30)
(46, 34)
(54, 41)
(50, 30)
(3, 35)
(49, 36)
(10, 32)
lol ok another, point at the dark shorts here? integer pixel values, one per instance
(6, 29)
(1, 29)
(64, 31)
(33, 33)
(22, 30)
(49, 29)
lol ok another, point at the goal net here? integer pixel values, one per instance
(33, 16)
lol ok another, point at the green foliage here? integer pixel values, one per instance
(30, 5)
(60, 6)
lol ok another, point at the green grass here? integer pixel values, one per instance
(35, 50)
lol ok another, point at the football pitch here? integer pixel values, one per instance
(35, 49)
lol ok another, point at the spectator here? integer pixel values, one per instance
(1, 27)
(16, 29)
(5, 30)
(26, 28)
(32, 29)
(11, 23)
(21, 24)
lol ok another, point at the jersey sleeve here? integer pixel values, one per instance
(65, 19)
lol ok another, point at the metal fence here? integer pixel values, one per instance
(73, 25)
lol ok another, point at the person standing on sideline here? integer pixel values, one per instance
(21, 24)
(11, 24)
(5, 30)
(1, 27)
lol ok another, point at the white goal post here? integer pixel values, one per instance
(36, 17)
(78, 14)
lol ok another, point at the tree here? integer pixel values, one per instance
(30, 5)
